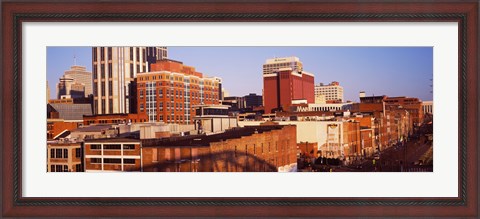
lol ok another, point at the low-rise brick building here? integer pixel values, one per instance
(64, 157)
(263, 148)
(112, 154)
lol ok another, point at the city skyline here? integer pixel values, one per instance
(391, 71)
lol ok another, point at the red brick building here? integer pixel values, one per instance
(281, 87)
(112, 154)
(170, 90)
(250, 149)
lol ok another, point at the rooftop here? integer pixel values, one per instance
(206, 140)
(92, 128)
(112, 140)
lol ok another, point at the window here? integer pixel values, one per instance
(111, 147)
(65, 168)
(131, 70)
(109, 53)
(58, 168)
(102, 70)
(103, 89)
(110, 70)
(102, 53)
(65, 153)
(131, 53)
(52, 168)
(110, 88)
(52, 153)
(95, 147)
(128, 147)
(112, 160)
(78, 153)
(94, 54)
(58, 153)
(129, 161)
(141, 94)
(78, 168)
(95, 160)
(110, 105)
(138, 55)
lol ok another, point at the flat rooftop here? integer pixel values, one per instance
(205, 140)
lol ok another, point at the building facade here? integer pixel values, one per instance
(112, 154)
(427, 107)
(114, 72)
(250, 149)
(170, 91)
(332, 92)
(64, 157)
(282, 87)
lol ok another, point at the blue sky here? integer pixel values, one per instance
(391, 71)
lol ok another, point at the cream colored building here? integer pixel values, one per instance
(114, 70)
(272, 65)
(330, 92)
(80, 75)
(427, 107)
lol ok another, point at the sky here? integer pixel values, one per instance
(391, 71)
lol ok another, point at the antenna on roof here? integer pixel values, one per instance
(74, 59)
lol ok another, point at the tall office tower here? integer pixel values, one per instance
(68, 88)
(332, 92)
(80, 75)
(156, 53)
(114, 73)
(273, 65)
(284, 85)
(170, 91)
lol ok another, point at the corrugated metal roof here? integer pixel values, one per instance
(72, 111)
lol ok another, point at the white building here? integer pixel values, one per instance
(330, 92)
(273, 65)
(325, 107)
(114, 70)
(427, 107)
(329, 135)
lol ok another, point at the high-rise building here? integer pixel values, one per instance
(80, 75)
(114, 73)
(68, 88)
(63, 86)
(273, 65)
(156, 53)
(332, 92)
(284, 85)
(170, 90)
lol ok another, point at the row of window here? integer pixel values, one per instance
(63, 153)
(112, 161)
(186, 80)
(64, 168)
(112, 147)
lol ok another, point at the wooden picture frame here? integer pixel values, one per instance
(16, 12)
